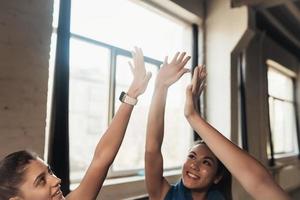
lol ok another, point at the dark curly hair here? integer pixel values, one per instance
(12, 169)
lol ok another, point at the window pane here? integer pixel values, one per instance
(280, 85)
(89, 65)
(283, 127)
(177, 131)
(131, 154)
(282, 113)
(125, 24)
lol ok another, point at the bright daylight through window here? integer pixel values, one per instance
(282, 111)
(102, 35)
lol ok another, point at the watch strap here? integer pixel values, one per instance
(125, 98)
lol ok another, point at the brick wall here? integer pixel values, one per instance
(25, 30)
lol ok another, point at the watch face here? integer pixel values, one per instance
(122, 96)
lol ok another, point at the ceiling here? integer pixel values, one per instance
(279, 19)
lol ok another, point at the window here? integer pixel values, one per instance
(102, 36)
(282, 110)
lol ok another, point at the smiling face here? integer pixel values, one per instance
(40, 183)
(200, 169)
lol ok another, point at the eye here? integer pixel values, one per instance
(50, 171)
(191, 156)
(206, 162)
(42, 181)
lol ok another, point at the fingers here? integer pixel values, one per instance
(180, 58)
(202, 72)
(148, 77)
(175, 58)
(145, 82)
(131, 66)
(181, 72)
(186, 60)
(139, 52)
(165, 61)
(138, 57)
(201, 88)
(198, 80)
(188, 92)
(195, 79)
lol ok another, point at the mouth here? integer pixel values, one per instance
(192, 176)
(58, 193)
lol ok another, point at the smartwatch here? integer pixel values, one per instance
(127, 99)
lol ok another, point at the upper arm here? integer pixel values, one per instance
(157, 185)
(266, 188)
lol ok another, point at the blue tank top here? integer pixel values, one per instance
(180, 192)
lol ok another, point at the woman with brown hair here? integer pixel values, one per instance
(24, 176)
(203, 170)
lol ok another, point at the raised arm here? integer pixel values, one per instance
(252, 175)
(157, 186)
(110, 142)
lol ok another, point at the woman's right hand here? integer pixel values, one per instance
(169, 73)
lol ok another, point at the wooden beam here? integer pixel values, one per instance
(294, 10)
(258, 3)
(281, 28)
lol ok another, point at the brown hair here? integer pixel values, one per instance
(224, 185)
(12, 169)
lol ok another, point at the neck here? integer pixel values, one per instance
(199, 195)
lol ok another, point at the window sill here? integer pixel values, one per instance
(132, 187)
(291, 159)
(128, 179)
(282, 163)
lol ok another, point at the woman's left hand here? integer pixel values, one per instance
(140, 76)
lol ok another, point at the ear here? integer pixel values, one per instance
(218, 179)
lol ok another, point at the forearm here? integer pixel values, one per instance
(156, 185)
(155, 125)
(110, 142)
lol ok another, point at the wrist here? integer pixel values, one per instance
(133, 92)
(160, 86)
(125, 98)
(191, 115)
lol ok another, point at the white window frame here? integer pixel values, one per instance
(273, 65)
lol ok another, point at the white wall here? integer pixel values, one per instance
(224, 28)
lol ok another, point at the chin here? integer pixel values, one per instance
(190, 184)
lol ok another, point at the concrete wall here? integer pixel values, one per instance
(25, 29)
(224, 28)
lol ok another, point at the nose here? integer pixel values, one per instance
(55, 181)
(195, 165)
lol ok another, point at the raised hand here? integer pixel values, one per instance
(194, 91)
(140, 77)
(157, 185)
(171, 72)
